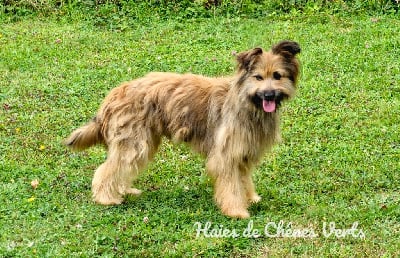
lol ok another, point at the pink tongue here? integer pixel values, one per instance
(269, 106)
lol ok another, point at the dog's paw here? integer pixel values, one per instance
(255, 198)
(240, 214)
(108, 201)
(133, 191)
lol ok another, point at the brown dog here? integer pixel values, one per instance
(232, 121)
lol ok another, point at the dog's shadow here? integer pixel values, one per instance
(197, 199)
(192, 199)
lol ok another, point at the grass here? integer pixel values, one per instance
(339, 161)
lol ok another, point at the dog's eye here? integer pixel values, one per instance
(258, 77)
(277, 76)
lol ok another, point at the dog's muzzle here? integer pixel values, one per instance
(269, 100)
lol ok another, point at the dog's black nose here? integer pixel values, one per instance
(269, 95)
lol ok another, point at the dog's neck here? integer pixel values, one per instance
(261, 124)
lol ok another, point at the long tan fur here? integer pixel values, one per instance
(85, 136)
(232, 121)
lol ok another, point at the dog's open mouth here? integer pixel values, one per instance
(269, 100)
(269, 105)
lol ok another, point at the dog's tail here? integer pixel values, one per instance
(86, 136)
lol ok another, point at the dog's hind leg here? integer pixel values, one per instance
(126, 158)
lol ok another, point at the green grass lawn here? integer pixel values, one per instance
(339, 160)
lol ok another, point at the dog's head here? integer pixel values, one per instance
(268, 77)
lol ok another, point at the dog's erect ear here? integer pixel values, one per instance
(286, 48)
(246, 59)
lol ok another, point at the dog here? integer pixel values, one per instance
(231, 121)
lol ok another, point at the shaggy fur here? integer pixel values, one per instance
(232, 121)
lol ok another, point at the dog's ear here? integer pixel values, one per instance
(286, 48)
(247, 59)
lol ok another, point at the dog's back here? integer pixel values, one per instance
(182, 107)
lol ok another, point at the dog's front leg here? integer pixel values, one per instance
(251, 194)
(229, 191)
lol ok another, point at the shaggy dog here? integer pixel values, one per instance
(232, 121)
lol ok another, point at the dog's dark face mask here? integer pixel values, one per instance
(270, 77)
